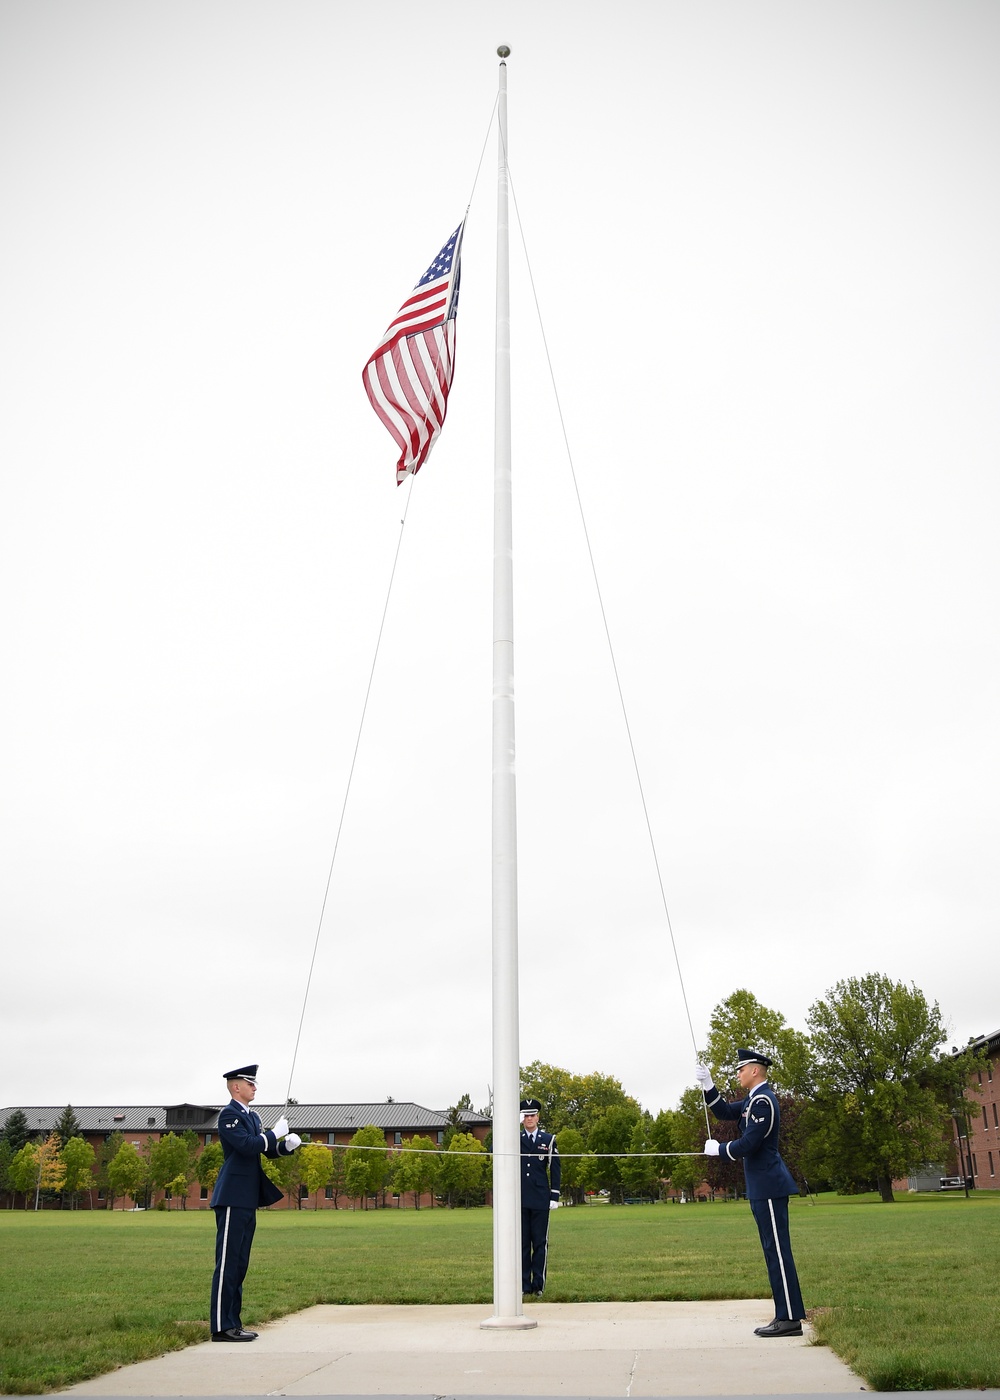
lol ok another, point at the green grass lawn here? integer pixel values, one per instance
(905, 1293)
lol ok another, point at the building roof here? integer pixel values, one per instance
(302, 1118)
(989, 1043)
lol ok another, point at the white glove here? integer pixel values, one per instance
(553, 1205)
(703, 1075)
(281, 1127)
(293, 1140)
(711, 1148)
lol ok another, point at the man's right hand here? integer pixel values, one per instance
(281, 1127)
(703, 1075)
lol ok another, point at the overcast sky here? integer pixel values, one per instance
(764, 241)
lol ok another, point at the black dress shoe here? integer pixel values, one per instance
(234, 1334)
(779, 1328)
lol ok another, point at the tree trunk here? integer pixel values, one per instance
(885, 1189)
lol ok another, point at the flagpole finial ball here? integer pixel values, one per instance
(503, 51)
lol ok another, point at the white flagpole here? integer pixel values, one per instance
(507, 1311)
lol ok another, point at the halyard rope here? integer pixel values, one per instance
(347, 790)
(607, 629)
(394, 1150)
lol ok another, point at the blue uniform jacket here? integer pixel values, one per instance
(757, 1144)
(541, 1171)
(241, 1181)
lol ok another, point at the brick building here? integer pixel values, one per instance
(978, 1154)
(326, 1124)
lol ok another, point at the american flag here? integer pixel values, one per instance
(408, 376)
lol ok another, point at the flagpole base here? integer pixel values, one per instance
(516, 1324)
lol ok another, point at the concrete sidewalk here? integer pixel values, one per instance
(577, 1349)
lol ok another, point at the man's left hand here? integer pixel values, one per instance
(293, 1140)
(553, 1205)
(711, 1148)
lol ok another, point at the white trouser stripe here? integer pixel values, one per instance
(784, 1280)
(222, 1273)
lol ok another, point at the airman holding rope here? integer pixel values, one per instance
(240, 1188)
(769, 1182)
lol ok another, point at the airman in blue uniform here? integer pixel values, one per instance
(541, 1173)
(240, 1188)
(769, 1182)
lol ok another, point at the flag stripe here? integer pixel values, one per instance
(408, 376)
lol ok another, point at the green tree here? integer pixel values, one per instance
(23, 1170)
(168, 1165)
(366, 1171)
(687, 1130)
(209, 1164)
(6, 1157)
(885, 1095)
(16, 1130)
(661, 1138)
(556, 1089)
(741, 1020)
(589, 1173)
(193, 1144)
(462, 1177)
(51, 1170)
(454, 1120)
(106, 1154)
(571, 1145)
(415, 1171)
(68, 1125)
(78, 1159)
(286, 1173)
(338, 1174)
(127, 1174)
(639, 1172)
(572, 1100)
(612, 1133)
(316, 1166)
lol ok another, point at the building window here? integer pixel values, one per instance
(995, 1123)
(975, 1167)
(990, 1155)
(979, 1075)
(989, 1071)
(208, 1138)
(397, 1138)
(328, 1192)
(986, 1121)
(303, 1193)
(440, 1135)
(331, 1138)
(204, 1193)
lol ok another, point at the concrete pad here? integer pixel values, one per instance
(453, 1374)
(578, 1349)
